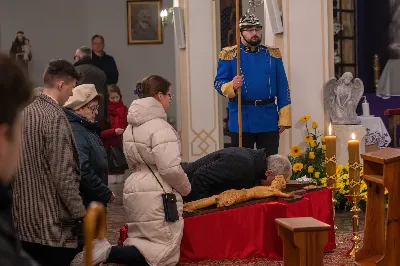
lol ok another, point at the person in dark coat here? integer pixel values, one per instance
(17, 50)
(16, 93)
(81, 109)
(234, 168)
(92, 74)
(104, 61)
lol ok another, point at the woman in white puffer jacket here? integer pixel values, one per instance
(150, 139)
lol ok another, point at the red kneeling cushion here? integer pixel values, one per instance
(389, 112)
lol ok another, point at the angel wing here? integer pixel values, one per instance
(357, 91)
(329, 90)
(329, 95)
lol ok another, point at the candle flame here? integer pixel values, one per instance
(330, 129)
(353, 136)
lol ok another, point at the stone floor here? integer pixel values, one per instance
(116, 217)
(115, 214)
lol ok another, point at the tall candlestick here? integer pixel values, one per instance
(330, 168)
(354, 191)
(354, 165)
(330, 159)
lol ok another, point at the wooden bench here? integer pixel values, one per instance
(304, 240)
(394, 121)
(381, 169)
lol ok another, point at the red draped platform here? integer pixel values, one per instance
(250, 231)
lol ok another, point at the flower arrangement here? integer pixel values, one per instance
(309, 163)
(342, 186)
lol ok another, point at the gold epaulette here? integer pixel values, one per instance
(228, 53)
(274, 52)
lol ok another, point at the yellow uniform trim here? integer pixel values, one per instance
(228, 53)
(227, 90)
(285, 116)
(274, 52)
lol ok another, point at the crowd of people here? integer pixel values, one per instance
(56, 144)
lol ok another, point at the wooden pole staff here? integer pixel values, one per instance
(95, 220)
(239, 90)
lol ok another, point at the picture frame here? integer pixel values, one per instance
(144, 22)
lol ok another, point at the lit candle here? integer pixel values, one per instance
(354, 165)
(330, 158)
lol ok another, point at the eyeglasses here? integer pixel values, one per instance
(251, 30)
(93, 108)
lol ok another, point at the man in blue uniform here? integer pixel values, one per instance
(266, 100)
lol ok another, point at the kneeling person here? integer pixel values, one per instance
(234, 168)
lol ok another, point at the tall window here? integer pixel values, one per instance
(345, 31)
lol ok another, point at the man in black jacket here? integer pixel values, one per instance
(234, 168)
(16, 91)
(104, 61)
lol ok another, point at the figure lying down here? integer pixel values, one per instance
(235, 175)
(233, 196)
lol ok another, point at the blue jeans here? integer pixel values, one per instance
(128, 255)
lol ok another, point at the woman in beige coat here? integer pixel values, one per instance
(150, 139)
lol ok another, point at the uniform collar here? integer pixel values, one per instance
(247, 49)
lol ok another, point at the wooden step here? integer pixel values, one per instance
(371, 261)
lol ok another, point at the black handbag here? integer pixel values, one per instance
(169, 202)
(116, 158)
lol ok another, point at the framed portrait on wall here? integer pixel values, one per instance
(144, 22)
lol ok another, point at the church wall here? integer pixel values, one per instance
(57, 28)
(305, 48)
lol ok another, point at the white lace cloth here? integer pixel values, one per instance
(376, 131)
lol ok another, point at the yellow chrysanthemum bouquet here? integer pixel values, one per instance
(309, 163)
(342, 185)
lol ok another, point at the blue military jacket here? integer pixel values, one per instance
(264, 77)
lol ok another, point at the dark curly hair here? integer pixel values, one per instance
(15, 87)
(152, 85)
(59, 69)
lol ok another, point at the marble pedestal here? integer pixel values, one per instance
(343, 135)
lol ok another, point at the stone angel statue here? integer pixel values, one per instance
(233, 196)
(341, 98)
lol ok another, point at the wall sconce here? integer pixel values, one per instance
(164, 16)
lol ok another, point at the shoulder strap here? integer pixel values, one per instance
(154, 176)
(158, 181)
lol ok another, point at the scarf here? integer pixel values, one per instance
(113, 106)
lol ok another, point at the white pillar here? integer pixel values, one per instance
(200, 125)
(308, 60)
